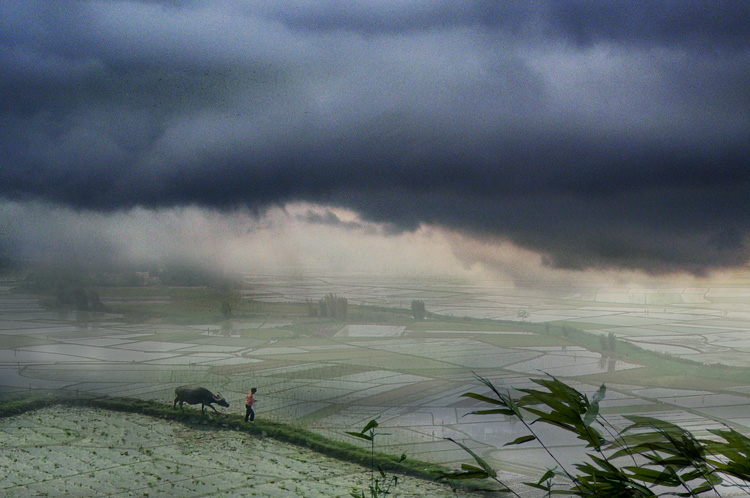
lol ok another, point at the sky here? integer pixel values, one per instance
(551, 139)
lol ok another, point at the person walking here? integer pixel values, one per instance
(249, 402)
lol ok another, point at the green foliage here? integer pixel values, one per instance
(648, 458)
(608, 342)
(226, 309)
(333, 306)
(418, 310)
(545, 483)
(381, 484)
(184, 305)
(80, 299)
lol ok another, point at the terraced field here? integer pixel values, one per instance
(78, 451)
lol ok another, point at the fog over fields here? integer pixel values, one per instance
(331, 376)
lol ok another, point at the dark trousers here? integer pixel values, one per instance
(249, 413)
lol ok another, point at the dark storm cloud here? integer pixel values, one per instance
(660, 21)
(722, 22)
(601, 134)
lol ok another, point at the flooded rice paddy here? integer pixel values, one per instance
(412, 379)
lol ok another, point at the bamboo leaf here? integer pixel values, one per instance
(471, 468)
(537, 485)
(366, 437)
(466, 475)
(547, 475)
(702, 489)
(372, 424)
(500, 411)
(650, 475)
(593, 410)
(481, 397)
(482, 463)
(599, 394)
(591, 415)
(469, 472)
(521, 440)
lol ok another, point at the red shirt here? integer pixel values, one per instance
(250, 400)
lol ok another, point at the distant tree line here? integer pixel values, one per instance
(418, 310)
(331, 305)
(68, 286)
(80, 299)
(193, 275)
(608, 342)
(47, 279)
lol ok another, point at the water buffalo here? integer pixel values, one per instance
(193, 395)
